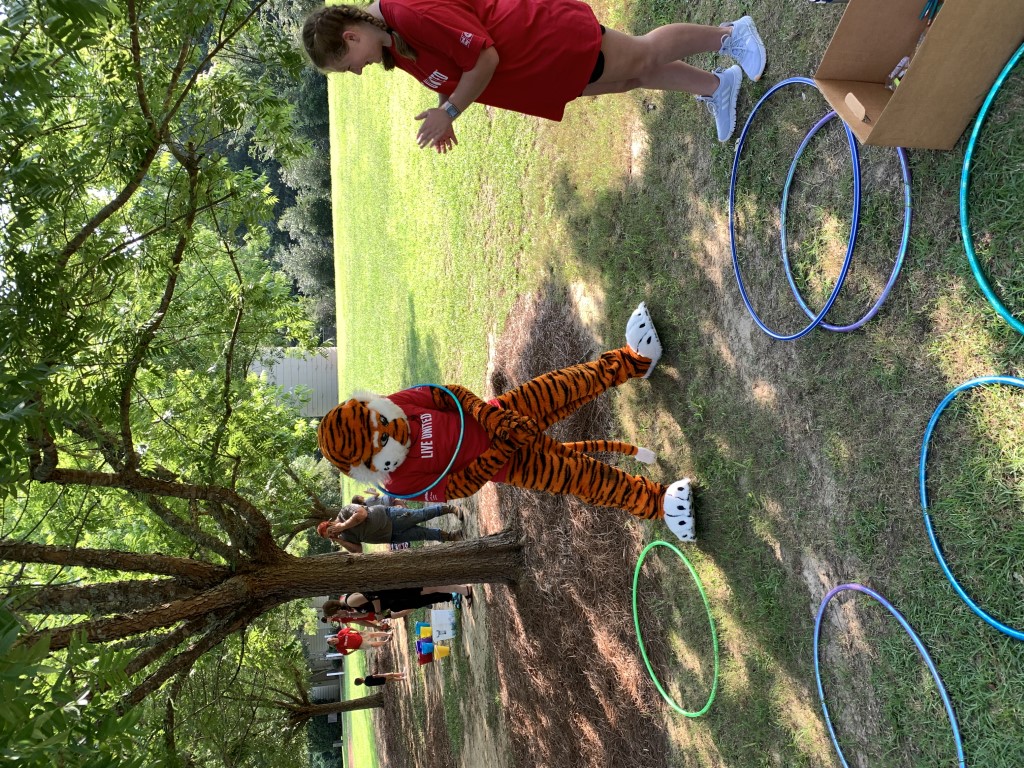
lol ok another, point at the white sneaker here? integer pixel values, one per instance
(722, 104)
(744, 45)
(678, 507)
(642, 336)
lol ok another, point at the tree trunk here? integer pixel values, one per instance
(257, 588)
(495, 559)
(297, 715)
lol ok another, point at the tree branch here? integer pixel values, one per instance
(153, 486)
(184, 661)
(192, 531)
(148, 332)
(103, 598)
(200, 68)
(164, 644)
(136, 49)
(192, 572)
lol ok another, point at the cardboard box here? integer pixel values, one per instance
(961, 55)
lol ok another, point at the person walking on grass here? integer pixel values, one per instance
(379, 678)
(529, 56)
(357, 524)
(349, 640)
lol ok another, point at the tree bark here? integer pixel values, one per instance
(105, 598)
(192, 571)
(300, 714)
(495, 559)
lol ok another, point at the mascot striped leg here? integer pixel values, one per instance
(564, 468)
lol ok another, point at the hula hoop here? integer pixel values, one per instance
(965, 228)
(643, 649)
(455, 453)
(817, 319)
(982, 381)
(905, 241)
(920, 649)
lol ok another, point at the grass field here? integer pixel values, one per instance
(357, 727)
(807, 450)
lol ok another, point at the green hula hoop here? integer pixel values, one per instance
(643, 650)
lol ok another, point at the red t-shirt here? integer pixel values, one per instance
(547, 49)
(434, 435)
(348, 640)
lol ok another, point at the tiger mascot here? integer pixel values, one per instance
(404, 442)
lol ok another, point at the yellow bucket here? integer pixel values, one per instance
(426, 631)
(440, 651)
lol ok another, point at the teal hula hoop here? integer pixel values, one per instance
(965, 176)
(455, 453)
(643, 650)
(982, 381)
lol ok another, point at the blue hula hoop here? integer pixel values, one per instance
(817, 319)
(961, 761)
(904, 243)
(965, 228)
(455, 453)
(982, 381)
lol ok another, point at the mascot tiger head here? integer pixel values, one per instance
(365, 437)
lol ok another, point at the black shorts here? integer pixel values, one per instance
(599, 66)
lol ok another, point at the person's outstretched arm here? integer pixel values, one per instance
(436, 130)
(357, 517)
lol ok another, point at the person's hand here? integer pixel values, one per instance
(436, 130)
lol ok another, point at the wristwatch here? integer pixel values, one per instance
(451, 109)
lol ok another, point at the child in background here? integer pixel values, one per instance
(530, 56)
(379, 678)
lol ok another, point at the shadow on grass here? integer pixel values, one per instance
(420, 365)
(807, 452)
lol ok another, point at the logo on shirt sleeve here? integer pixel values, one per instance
(435, 80)
(466, 38)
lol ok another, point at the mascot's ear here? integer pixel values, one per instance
(345, 434)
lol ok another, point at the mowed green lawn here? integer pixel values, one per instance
(431, 249)
(359, 750)
(807, 451)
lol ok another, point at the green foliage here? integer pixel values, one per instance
(133, 264)
(54, 712)
(223, 714)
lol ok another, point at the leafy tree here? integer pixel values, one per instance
(59, 715)
(148, 492)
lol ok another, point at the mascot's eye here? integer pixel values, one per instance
(383, 440)
(383, 421)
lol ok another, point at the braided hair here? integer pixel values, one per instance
(323, 30)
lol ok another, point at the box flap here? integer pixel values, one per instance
(963, 52)
(871, 38)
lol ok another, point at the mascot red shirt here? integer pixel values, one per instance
(434, 436)
(405, 442)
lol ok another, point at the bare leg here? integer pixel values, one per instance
(643, 62)
(674, 76)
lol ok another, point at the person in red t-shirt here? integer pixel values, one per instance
(348, 640)
(530, 56)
